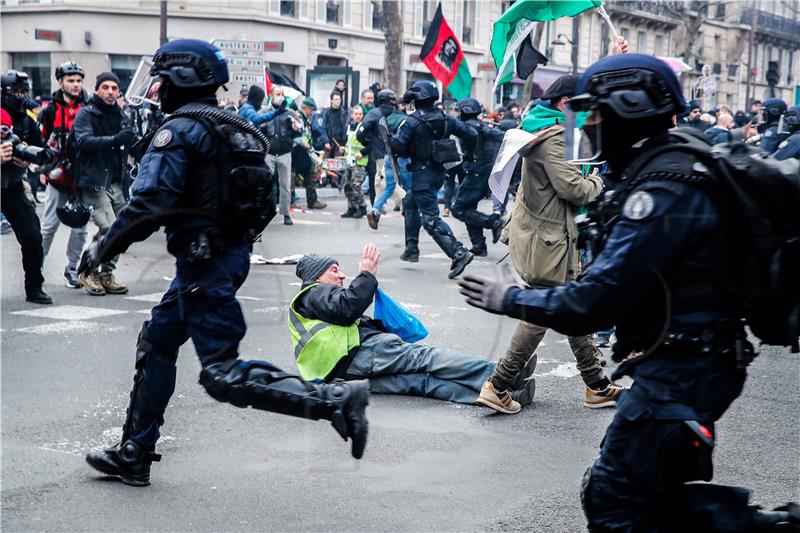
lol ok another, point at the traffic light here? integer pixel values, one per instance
(773, 73)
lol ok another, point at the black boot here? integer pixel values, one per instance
(479, 251)
(460, 261)
(373, 217)
(359, 213)
(349, 213)
(127, 461)
(410, 254)
(263, 386)
(37, 296)
(783, 518)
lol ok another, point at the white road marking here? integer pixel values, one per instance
(72, 326)
(70, 312)
(273, 309)
(153, 297)
(563, 370)
(145, 311)
(309, 222)
(255, 299)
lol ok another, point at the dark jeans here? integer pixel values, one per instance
(304, 168)
(472, 189)
(450, 186)
(372, 169)
(21, 214)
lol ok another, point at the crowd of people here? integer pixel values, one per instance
(415, 151)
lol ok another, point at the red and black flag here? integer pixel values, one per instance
(443, 56)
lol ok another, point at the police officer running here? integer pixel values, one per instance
(679, 332)
(477, 168)
(425, 138)
(771, 138)
(203, 177)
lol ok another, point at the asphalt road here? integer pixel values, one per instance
(429, 465)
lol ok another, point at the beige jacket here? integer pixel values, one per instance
(541, 233)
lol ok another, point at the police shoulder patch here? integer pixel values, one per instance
(162, 138)
(638, 206)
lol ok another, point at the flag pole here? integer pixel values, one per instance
(602, 12)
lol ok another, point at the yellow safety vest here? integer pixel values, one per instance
(319, 345)
(353, 147)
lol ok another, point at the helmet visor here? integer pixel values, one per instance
(141, 88)
(582, 138)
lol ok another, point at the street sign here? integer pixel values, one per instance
(239, 47)
(245, 62)
(239, 77)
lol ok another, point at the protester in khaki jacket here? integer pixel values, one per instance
(541, 235)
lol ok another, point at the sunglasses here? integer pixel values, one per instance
(6, 130)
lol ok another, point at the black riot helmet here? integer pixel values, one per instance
(423, 93)
(468, 108)
(632, 97)
(74, 214)
(190, 70)
(386, 97)
(791, 119)
(773, 109)
(15, 87)
(69, 68)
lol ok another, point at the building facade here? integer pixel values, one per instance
(314, 42)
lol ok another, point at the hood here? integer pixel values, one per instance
(542, 117)
(255, 96)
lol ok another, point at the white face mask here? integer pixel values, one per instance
(277, 101)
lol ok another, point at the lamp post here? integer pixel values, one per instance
(561, 40)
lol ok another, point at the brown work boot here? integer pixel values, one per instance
(318, 205)
(110, 284)
(92, 284)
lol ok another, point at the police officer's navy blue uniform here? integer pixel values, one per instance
(791, 146)
(415, 139)
(771, 138)
(478, 163)
(655, 280)
(179, 186)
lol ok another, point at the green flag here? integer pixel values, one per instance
(516, 24)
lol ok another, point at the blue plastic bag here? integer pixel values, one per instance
(396, 319)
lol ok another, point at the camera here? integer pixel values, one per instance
(31, 154)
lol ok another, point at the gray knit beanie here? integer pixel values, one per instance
(312, 266)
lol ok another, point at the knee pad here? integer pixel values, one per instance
(430, 223)
(145, 347)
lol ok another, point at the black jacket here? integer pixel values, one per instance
(25, 128)
(334, 120)
(100, 158)
(280, 133)
(369, 133)
(341, 306)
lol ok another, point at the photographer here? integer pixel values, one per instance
(16, 207)
(56, 122)
(102, 132)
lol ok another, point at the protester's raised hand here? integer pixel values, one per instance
(369, 259)
(620, 47)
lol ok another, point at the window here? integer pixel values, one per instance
(373, 18)
(469, 18)
(659, 46)
(732, 69)
(428, 10)
(333, 12)
(721, 10)
(124, 67)
(641, 41)
(375, 76)
(289, 8)
(37, 66)
(625, 33)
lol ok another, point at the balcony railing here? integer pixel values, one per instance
(771, 23)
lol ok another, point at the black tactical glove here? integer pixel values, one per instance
(90, 259)
(124, 138)
(488, 294)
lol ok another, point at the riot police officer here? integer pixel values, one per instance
(477, 167)
(677, 327)
(791, 146)
(203, 177)
(773, 109)
(425, 138)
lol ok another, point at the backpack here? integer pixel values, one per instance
(246, 202)
(758, 198)
(443, 148)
